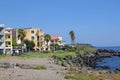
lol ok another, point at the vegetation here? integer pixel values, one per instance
(21, 34)
(72, 35)
(79, 48)
(55, 47)
(83, 48)
(29, 44)
(47, 39)
(39, 68)
(5, 55)
(44, 55)
(14, 42)
(72, 75)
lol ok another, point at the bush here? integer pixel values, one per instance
(1, 53)
(84, 49)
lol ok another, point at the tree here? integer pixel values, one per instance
(72, 35)
(14, 42)
(29, 44)
(21, 35)
(55, 47)
(47, 38)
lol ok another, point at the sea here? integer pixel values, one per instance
(110, 48)
(112, 63)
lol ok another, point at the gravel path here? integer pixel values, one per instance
(53, 72)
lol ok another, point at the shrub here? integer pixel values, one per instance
(84, 49)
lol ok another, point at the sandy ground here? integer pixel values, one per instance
(53, 72)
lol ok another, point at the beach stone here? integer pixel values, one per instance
(107, 79)
(8, 65)
(25, 66)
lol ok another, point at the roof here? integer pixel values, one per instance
(55, 37)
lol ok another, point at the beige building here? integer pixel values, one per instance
(55, 39)
(8, 41)
(36, 35)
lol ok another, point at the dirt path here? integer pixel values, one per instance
(53, 72)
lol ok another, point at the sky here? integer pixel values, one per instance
(96, 22)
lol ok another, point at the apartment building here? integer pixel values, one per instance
(55, 39)
(8, 41)
(36, 35)
(2, 38)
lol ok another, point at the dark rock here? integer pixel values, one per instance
(25, 66)
(105, 67)
(8, 65)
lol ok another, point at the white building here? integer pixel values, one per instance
(2, 38)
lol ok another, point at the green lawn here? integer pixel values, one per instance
(47, 55)
(5, 56)
(39, 68)
(39, 55)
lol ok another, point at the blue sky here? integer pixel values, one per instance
(94, 21)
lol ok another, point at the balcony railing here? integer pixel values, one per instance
(1, 40)
(1, 33)
(8, 32)
(8, 39)
(2, 47)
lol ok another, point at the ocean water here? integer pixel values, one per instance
(110, 48)
(112, 62)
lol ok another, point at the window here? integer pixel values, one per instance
(8, 36)
(32, 37)
(32, 31)
(38, 44)
(9, 43)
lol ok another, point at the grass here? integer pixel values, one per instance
(69, 77)
(77, 78)
(5, 56)
(72, 75)
(47, 55)
(39, 68)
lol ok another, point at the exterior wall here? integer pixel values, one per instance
(36, 35)
(56, 39)
(8, 41)
(15, 36)
(14, 33)
(2, 38)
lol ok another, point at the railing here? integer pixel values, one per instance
(1, 40)
(1, 33)
(8, 39)
(2, 47)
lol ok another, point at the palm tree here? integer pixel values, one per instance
(72, 35)
(47, 38)
(21, 35)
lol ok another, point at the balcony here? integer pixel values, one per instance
(8, 39)
(8, 46)
(2, 46)
(1, 33)
(2, 40)
(6, 32)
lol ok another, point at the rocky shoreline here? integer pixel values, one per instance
(87, 61)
